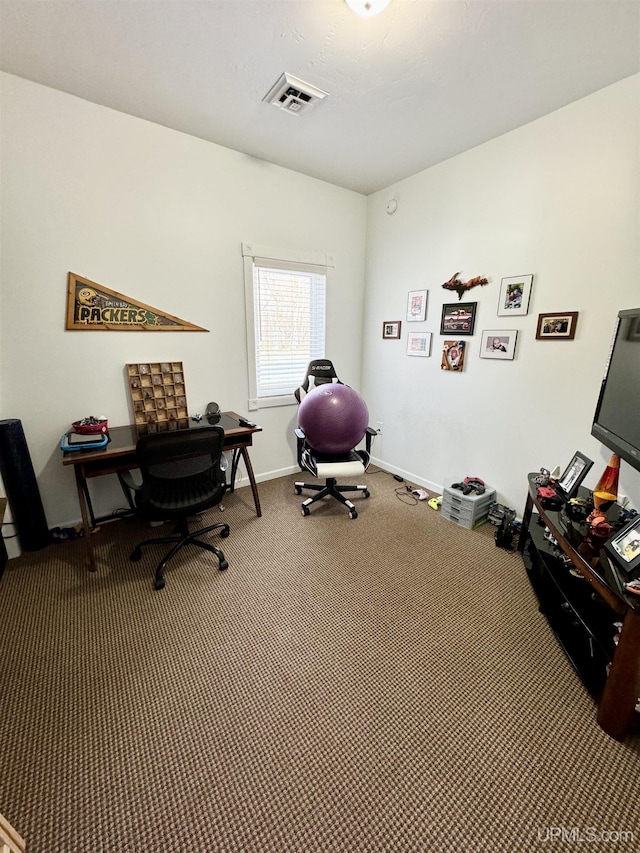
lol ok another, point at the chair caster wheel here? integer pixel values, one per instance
(223, 565)
(224, 533)
(159, 583)
(366, 493)
(353, 513)
(306, 510)
(136, 555)
(298, 490)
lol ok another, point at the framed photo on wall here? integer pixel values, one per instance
(391, 330)
(458, 317)
(453, 355)
(558, 326)
(416, 306)
(419, 343)
(515, 293)
(499, 344)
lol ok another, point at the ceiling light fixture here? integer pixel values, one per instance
(367, 8)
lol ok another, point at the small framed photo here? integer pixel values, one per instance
(515, 293)
(416, 306)
(458, 317)
(453, 355)
(624, 547)
(573, 475)
(391, 330)
(499, 343)
(558, 326)
(419, 343)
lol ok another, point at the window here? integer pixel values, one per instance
(285, 301)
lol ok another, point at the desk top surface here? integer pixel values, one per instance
(123, 439)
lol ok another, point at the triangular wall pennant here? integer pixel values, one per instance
(94, 308)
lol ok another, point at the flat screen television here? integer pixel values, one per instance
(616, 422)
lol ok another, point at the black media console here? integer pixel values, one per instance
(582, 596)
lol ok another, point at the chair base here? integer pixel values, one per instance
(181, 538)
(332, 488)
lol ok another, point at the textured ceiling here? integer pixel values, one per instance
(423, 81)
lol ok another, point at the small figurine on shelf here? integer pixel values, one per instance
(599, 529)
(543, 478)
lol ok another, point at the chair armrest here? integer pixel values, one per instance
(127, 480)
(370, 433)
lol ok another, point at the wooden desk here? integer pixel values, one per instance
(120, 455)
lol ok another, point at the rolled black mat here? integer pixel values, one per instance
(21, 487)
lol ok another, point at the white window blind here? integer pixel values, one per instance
(288, 323)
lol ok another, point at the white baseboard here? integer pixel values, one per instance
(409, 476)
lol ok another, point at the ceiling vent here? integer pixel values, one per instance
(294, 95)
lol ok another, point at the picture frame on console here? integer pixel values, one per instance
(624, 547)
(573, 475)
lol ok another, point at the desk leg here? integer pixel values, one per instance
(254, 487)
(81, 485)
(234, 469)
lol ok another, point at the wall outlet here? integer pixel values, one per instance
(253, 405)
(379, 427)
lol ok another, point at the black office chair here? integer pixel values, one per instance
(182, 475)
(328, 467)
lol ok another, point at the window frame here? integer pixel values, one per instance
(306, 262)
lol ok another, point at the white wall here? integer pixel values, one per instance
(158, 216)
(558, 198)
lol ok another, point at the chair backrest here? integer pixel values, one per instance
(319, 372)
(181, 469)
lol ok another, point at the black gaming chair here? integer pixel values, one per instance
(182, 475)
(328, 467)
(319, 372)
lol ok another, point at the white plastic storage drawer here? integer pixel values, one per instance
(466, 510)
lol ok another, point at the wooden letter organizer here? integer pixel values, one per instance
(158, 396)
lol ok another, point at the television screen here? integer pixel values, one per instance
(616, 422)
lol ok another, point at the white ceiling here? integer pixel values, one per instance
(423, 81)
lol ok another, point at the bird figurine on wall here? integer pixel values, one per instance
(461, 287)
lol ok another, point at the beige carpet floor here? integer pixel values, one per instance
(381, 684)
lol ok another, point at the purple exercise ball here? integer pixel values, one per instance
(334, 418)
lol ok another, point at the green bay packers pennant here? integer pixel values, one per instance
(94, 308)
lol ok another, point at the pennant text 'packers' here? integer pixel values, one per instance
(92, 307)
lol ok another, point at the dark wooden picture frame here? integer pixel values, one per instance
(391, 330)
(458, 318)
(558, 326)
